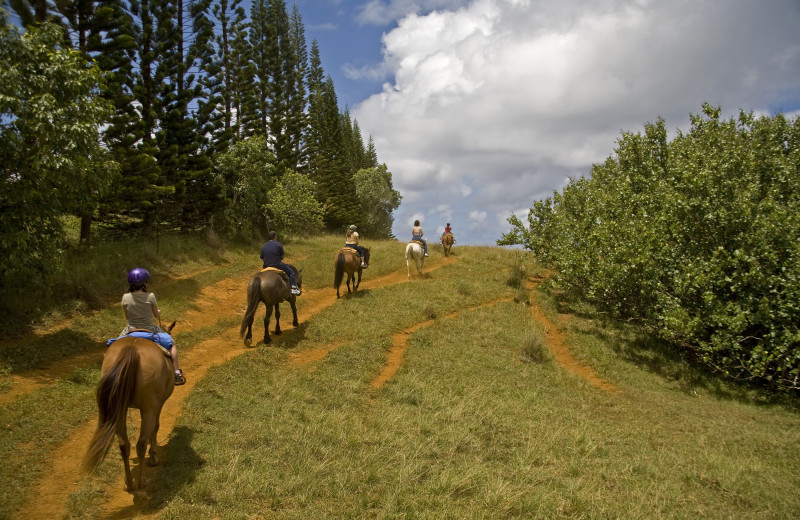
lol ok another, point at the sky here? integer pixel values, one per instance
(481, 107)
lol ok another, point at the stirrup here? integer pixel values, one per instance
(179, 379)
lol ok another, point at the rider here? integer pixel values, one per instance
(416, 234)
(140, 308)
(448, 231)
(351, 240)
(272, 254)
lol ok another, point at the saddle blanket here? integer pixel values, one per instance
(417, 242)
(277, 270)
(348, 250)
(162, 339)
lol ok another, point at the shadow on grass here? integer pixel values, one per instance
(41, 351)
(179, 468)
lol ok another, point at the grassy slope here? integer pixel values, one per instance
(466, 429)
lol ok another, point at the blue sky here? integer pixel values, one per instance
(480, 107)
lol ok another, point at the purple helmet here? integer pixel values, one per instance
(138, 275)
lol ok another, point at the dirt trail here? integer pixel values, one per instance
(400, 343)
(224, 299)
(556, 341)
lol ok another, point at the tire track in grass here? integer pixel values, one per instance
(49, 497)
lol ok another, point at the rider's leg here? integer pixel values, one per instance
(290, 272)
(426, 246)
(173, 351)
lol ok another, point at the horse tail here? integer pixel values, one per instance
(114, 394)
(253, 299)
(339, 272)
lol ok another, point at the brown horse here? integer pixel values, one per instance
(270, 287)
(447, 242)
(136, 373)
(348, 261)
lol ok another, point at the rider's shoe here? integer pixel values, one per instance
(296, 291)
(363, 265)
(426, 254)
(179, 379)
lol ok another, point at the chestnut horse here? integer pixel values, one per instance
(271, 287)
(136, 373)
(348, 261)
(415, 253)
(447, 242)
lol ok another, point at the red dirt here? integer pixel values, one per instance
(222, 300)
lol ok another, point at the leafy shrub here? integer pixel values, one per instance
(697, 237)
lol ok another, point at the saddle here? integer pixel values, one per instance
(348, 250)
(162, 339)
(277, 270)
(417, 242)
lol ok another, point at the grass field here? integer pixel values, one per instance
(477, 422)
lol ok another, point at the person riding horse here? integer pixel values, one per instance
(416, 234)
(351, 240)
(140, 307)
(272, 254)
(448, 231)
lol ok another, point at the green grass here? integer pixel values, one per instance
(479, 421)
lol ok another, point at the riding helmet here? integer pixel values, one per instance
(353, 227)
(138, 275)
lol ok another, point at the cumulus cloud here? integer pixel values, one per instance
(495, 103)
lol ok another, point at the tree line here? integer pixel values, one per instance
(697, 237)
(140, 113)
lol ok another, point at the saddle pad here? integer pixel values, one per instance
(162, 339)
(417, 242)
(277, 270)
(348, 250)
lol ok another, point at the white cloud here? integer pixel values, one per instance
(494, 103)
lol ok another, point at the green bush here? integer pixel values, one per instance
(697, 237)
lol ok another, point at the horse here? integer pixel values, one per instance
(447, 242)
(348, 261)
(415, 252)
(136, 373)
(271, 287)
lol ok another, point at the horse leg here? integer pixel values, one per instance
(359, 278)
(145, 435)
(293, 304)
(349, 278)
(153, 458)
(267, 317)
(277, 319)
(125, 452)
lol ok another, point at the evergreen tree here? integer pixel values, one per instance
(296, 118)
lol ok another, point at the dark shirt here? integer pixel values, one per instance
(272, 253)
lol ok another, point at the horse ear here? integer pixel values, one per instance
(301, 270)
(171, 326)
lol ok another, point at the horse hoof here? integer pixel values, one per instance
(248, 343)
(278, 333)
(140, 497)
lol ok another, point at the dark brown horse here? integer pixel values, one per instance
(348, 261)
(271, 287)
(136, 373)
(447, 242)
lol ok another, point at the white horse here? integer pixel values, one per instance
(415, 252)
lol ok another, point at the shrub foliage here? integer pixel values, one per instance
(697, 236)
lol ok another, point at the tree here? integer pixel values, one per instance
(378, 199)
(291, 206)
(52, 161)
(247, 170)
(696, 238)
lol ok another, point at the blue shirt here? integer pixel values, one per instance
(272, 253)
